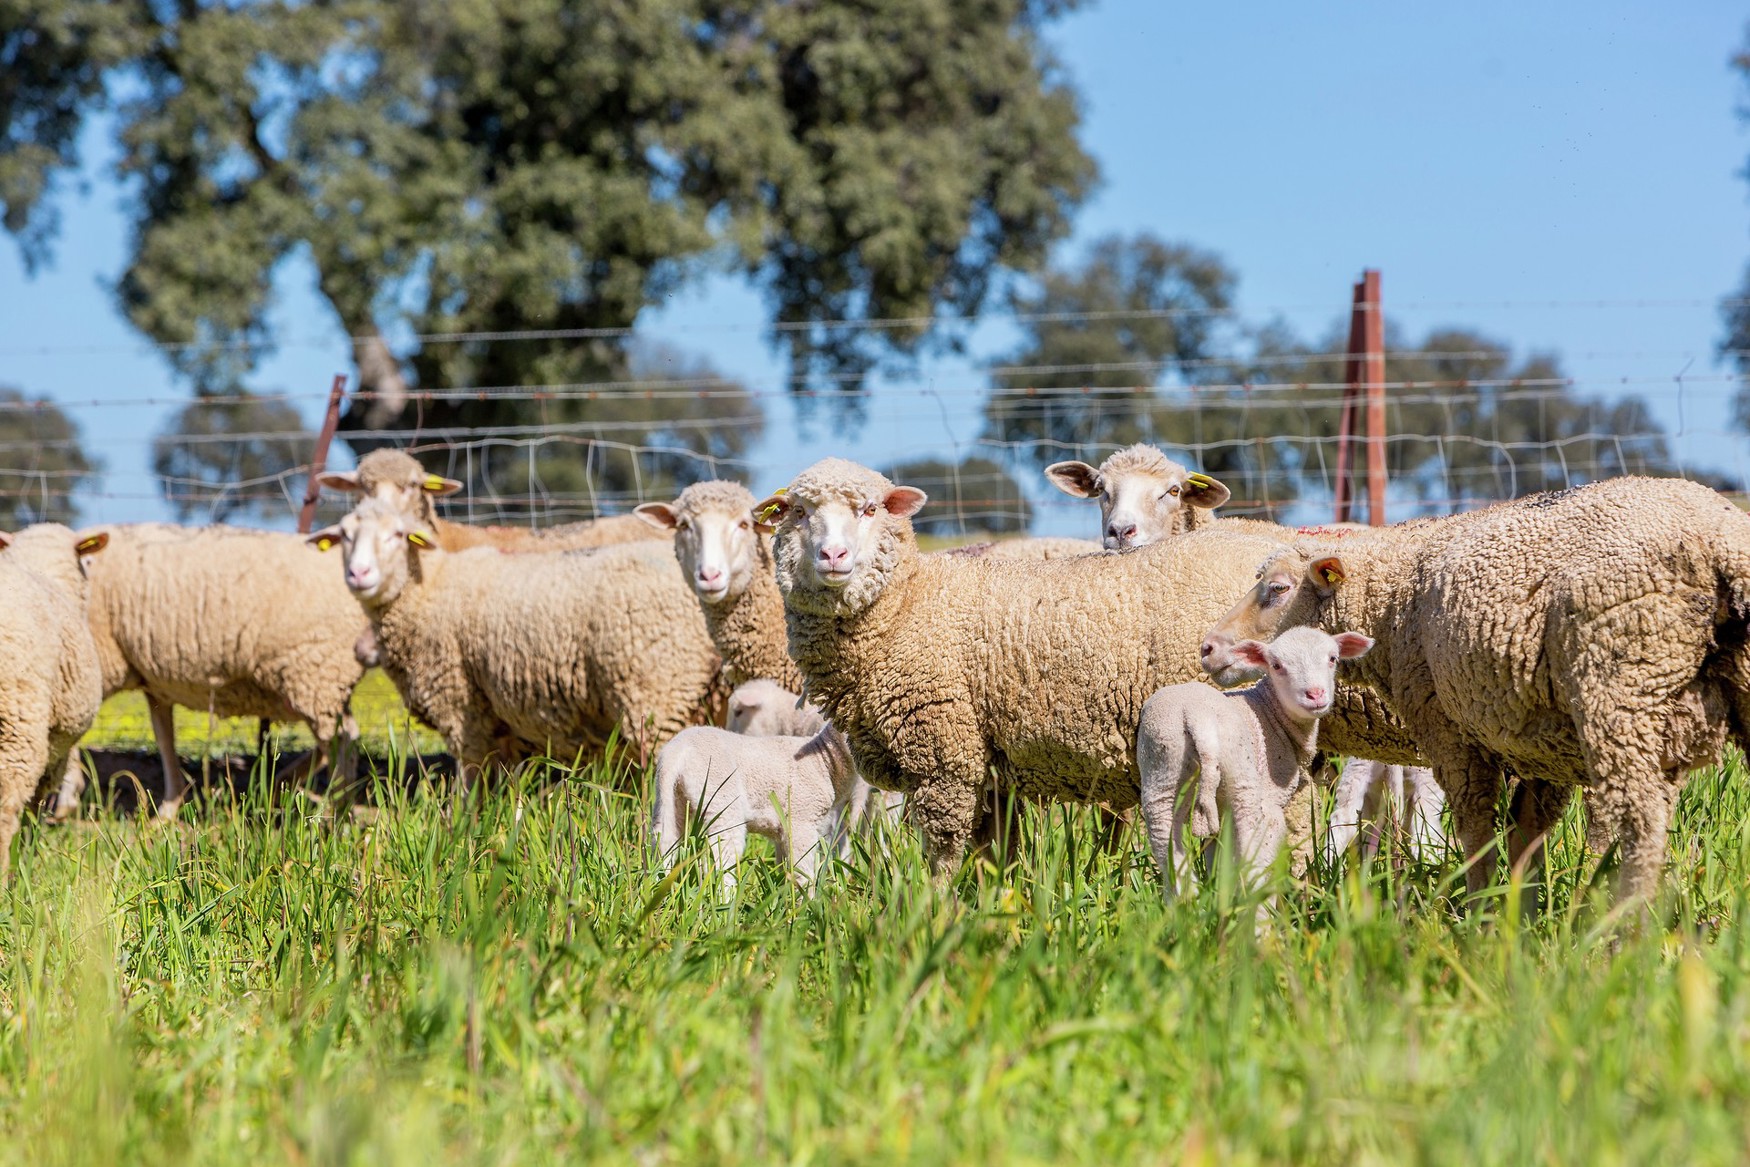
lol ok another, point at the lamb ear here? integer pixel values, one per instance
(1251, 652)
(660, 515)
(767, 515)
(1203, 491)
(345, 481)
(1352, 644)
(324, 539)
(1325, 574)
(902, 502)
(1074, 478)
(92, 544)
(439, 485)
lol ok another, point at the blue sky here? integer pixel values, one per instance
(1506, 166)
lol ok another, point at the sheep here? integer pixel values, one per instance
(764, 708)
(51, 686)
(1245, 753)
(1032, 547)
(942, 670)
(504, 653)
(793, 790)
(1144, 495)
(1593, 636)
(236, 622)
(397, 476)
(1373, 799)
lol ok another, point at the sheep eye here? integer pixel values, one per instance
(1278, 668)
(1174, 491)
(745, 524)
(869, 510)
(682, 524)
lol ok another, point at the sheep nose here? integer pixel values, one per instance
(1316, 696)
(835, 558)
(1208, 647)
(710, 576)
(358, 577)
(1123, 534)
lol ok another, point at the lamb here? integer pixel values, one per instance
(1593, 636)
(235, 622)
(1373, 799)
(1243, 753)
(793, 790)
(942, 670)
(506, 653)
(764, 708)
(51, 686)
(397, 477)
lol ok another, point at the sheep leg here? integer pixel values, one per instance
(945, 810)
(1346, 809)
(1258, 835)
(176, 785)
(1637, 810)
(1471, 783)
(1427, 835)
(1299, 817)
(1537, 806)
(72, 788)
(728, 841)
(23, 761)
(801, 846)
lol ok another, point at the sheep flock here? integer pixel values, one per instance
(797, 667)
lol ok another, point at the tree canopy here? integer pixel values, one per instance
(973, 495)
(42, 462)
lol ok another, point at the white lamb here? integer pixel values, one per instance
(793, 790)
(1243, 754)
(764, 708)
(1373, 800)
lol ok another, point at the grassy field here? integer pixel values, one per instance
(510, 983)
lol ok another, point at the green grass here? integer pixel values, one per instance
(510, 983)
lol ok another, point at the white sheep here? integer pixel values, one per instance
(1144, 495)
(1242, 755)
(1373, 800)
(764, 708)
(793, 790)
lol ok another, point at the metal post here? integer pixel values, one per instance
(1373, 379)
(319, 459)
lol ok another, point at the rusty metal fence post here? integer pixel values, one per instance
(319, 458)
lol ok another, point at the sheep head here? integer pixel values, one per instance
(840, 532)
(395, 477)
(1301, 666)
(52, 550)
(1143, 494)
(1293, 589)
(380, 548)
(714, 537)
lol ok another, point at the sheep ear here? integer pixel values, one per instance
(767, 515)
(345, 481)
(1075, 478)
(5, 540)
(439, 485)
(660, 515)
(421, 539)
(1251, 652)
(324, 539)
(1352, 644)
(92, 544)
(1203, 491)
(1325, 574)
(902, 502)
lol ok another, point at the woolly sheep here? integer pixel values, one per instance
(398, 478)
(1243, 753)
(764, 708)
(505, 653)
(51, 685)
(235, 622)
(1590, 636)
(1373, 799)
(793, 790)
(941, 670)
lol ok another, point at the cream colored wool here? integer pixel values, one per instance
(1042, 547)
(1592, 636)
(506, 654)
(50, 683)
(237, 622)
(942, 669)
(764, 708)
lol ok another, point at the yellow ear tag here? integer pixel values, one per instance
(89, 544)
(434, 482)
(1200, 479)
(324, 544)
(418, 539)
(1332, 575)
(767, 511)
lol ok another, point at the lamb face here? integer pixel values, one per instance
(1301, 665)
(1142, 494)
(378, 544)
(839, 531)
(714, 537)
(1292, 585)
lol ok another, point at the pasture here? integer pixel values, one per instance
(511, 983)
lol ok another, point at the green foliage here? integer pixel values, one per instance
(513, 983)
(41, 462)
(229, 454)
(476, 167)
(973, 494)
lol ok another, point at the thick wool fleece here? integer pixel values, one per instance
(394, 470)
(1594, 636)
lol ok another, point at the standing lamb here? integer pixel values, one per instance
(230, 621)
(51, 685)
(1593, 636)
(793, 790)
(506, 653)
(942, 670)
(1242, 754)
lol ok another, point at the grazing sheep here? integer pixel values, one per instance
(1373, 799)
(234, 622)
(1244, 753)
(51, 684)
(764, 708)
(1593, 636)
(793, 790)
(1144, 495)
(398, 478)
(505, 653)
(941, 669)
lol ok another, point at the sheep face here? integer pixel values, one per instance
(378, 550)
(394, 477)
(840, 530)
(1292, 590)
(1301, 666)
(714, 537)
(1142, 494)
